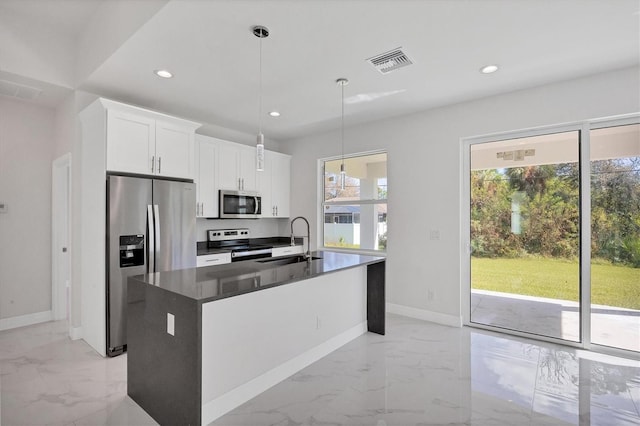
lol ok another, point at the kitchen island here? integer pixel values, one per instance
(203, 341)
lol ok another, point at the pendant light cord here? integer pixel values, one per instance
(342, 125)
(260, 90)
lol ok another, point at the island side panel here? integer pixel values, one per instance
(163, 371)
(252, 341)
(376, 303)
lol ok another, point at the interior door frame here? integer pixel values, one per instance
(61, 299)
(584, 128)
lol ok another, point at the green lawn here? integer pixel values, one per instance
(557, 279)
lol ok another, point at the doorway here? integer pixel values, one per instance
(615, 236)
(61, 238)
(525, 234)
(553, 234)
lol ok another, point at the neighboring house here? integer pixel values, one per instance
(342, 224)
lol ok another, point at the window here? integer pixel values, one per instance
(356, 217)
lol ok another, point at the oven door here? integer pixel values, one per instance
(249, 254)
(240, 205)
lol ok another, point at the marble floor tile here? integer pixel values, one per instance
(418, 374)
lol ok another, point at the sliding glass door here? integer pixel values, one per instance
(554, 234)
(525, 235)
(615, 237)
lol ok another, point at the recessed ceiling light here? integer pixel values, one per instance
(163, 73)
(274, 114)
(489, 69)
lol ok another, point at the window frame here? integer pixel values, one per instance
(321, 203)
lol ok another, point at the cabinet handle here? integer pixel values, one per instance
(212, 260)
(273, 211)
(276, 210)
(197, 209)
(202, 209)
(153, 163)
(159, 164)
(239, 187)
(243, 184)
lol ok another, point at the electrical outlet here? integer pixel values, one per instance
(171, 324)
(434, 234)
(3, 207)
(430, 295)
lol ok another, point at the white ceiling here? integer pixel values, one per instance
(209, 47)
(66, 16)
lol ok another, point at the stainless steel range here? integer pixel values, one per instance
(238, 242)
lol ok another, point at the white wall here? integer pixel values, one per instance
(424, 169)
(26, 152)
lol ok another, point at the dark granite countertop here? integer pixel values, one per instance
(210, 283)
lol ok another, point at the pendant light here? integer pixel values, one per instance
(343, 174)
(260, 32)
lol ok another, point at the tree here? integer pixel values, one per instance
(491, 215)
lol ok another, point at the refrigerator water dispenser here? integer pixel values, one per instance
(131, 250)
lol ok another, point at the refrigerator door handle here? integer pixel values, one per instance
(157, 225)
(151, 249)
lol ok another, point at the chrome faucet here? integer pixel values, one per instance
(307, 255)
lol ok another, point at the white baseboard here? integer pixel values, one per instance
(421, 314)
(243, 393)
(75, 333)
(24, 320)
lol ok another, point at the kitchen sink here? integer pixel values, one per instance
(287, 260)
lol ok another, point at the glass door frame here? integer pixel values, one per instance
(584, 128)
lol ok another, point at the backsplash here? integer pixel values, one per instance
(259, 228)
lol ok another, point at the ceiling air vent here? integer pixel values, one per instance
(21, 91)
(390, 61)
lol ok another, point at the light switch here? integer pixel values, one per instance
(3, 207)
(171, 324)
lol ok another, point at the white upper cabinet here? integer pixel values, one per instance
(237, 167)
(274, 185)
(145, 142)
(231, 166)
(281, 184)
(248, 167)
(263, 183)
(130, 142)
(206, 176)
(174, 150)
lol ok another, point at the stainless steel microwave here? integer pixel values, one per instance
(240, 204)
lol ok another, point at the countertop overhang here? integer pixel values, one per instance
(211, 283)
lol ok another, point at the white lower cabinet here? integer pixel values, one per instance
(213, 259)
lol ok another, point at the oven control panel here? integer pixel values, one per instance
(227, 234)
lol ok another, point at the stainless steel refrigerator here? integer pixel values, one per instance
(151, 227)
